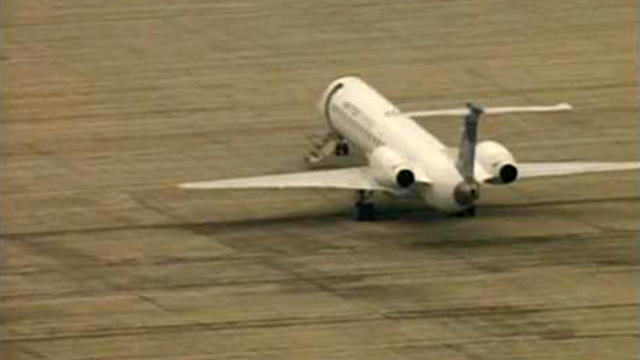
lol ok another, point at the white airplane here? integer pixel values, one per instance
(404, 159)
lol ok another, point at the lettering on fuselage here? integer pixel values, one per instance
(360, 124)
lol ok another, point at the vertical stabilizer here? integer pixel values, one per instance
(467, 154)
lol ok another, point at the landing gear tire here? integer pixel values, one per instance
(469, 212)
(365, 210)
(342, 149)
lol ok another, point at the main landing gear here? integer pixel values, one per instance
(365, 211)
(468, 212)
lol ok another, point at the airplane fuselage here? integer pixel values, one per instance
(360, 114)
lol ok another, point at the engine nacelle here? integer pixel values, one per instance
(497, 161)
(390, 168)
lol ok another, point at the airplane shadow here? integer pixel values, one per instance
(413, 215)
(401, 213)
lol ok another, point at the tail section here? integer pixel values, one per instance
(467, 192)
(472, 114)
(467, 153)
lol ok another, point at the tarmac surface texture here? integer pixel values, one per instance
(106, 105)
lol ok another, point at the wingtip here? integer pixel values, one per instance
(565, 106)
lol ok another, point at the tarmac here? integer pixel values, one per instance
(106, 106)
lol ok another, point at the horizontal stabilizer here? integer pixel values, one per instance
(488, 110)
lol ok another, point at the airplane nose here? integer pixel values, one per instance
(466, 193)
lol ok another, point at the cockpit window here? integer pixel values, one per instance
(333, 91)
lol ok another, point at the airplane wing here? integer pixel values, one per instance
(531, 170)
(357, 178)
